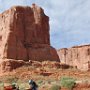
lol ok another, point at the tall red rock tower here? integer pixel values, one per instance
(24, 34)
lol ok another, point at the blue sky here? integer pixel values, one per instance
(69, 19)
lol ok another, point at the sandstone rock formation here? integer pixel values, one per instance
(77, 56)
(9, 64)
(24, 35)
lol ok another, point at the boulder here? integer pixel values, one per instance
(8, 65)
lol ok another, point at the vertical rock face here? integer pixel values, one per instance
(24, 34)
(78, 56)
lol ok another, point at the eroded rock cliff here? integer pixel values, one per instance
(24, 35)
(77, 56)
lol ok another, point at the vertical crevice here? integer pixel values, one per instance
(16, 48)
(77, 57)
(24, 31)
(71, 57)
(65, 55)
(88, 51)
(89, 56)
(15, 20)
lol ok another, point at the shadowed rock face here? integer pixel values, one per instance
(78, 56)
(24, 35)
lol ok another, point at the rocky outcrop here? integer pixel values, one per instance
(24, 35)
(10, 64)
(77, 56)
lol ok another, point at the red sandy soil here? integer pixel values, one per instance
(47, 73)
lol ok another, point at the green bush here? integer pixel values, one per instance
(55, 87)
(67, 82)
(40, 82)
(1, 85)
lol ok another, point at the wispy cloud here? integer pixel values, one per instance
(69, 19)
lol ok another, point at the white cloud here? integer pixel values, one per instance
(69, 19)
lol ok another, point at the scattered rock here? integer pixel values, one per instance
(9, 64)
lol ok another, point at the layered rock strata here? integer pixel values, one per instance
(24, 35)
(77, 56)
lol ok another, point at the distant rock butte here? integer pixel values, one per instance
(24, 35)
(77, 56)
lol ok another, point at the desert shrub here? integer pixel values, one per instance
(22, 86)
(55, 87)
(12, 79)
(1, 85)
(40, 82)
(67, 82)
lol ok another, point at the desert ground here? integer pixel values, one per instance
(46, 76)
